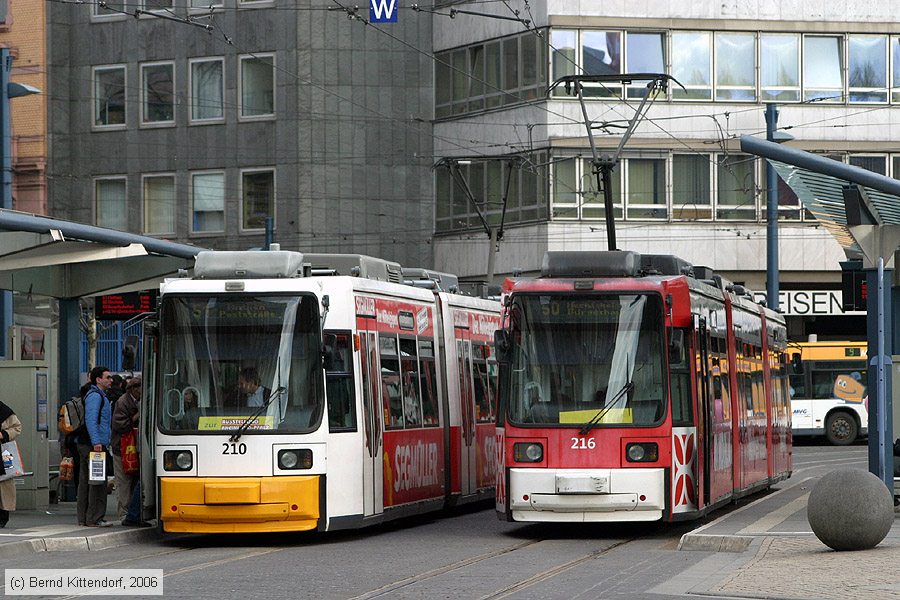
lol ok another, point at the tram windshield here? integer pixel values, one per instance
(226, 358)
(579, 360)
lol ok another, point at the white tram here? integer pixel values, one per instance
(292, 392)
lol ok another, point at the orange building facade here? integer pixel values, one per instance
(23, 30)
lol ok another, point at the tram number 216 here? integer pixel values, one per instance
(234, 448)
(583, 443)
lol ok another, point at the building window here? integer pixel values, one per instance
(779, 67)
(822, 67)
(159, 204)
(736, 187)
(736, 66)
(489, 75)
(692, 65)
(157, 92)
(158, 4)
(644, 53)
(207, 90)
(207, 202)
(258, 86)
(563, 44)
(493, 71)
(109, 96)
(526, 196)
(593, 201)
(109, 203)
(257, 198)
(601, 54)
(875, 163)
(204, 4)
(867, 64)
(691, 199)
(565, 188)
(895, 71)
(646, 193)
(111, 8)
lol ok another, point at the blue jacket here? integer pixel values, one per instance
(99, 432)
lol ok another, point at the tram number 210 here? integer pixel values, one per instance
(234, 448)
(583, 443)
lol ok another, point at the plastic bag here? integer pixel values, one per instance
(66, 468)
(130, 462)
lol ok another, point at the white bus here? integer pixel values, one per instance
(828, 390)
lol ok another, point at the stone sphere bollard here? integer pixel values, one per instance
(850, 509)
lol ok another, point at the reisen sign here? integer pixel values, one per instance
(810, 302)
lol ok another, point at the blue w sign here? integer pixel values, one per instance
(383, 11)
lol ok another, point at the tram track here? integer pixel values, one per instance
(504, 592)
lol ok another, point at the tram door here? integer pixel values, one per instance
(373, 441)
(468, 447)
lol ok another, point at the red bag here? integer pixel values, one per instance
(130, 462)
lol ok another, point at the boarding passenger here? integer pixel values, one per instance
(91, 505)
(125, 418)
(10, 428)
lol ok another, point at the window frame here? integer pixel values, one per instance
(144, 89)
(251, 170)
(257, 56)
(203, 232)
(191, 98)
(144, 219)
(753, 88)
(798, 89)
(95, 99)
(753, 214)
(886, 88)
(841, 97)
(676, 90)
(644, 207)
(96, 202)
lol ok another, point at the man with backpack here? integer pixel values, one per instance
(94, 437)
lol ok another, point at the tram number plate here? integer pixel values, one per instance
(582, 484)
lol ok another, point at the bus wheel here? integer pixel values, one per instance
(840, 429)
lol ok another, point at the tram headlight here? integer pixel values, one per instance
(289, 460)
(642, 452)
(178, 460)
(528, 452)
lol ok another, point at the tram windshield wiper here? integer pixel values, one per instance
(605, 408)
(276, 393)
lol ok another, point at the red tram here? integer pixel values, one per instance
(636, 388)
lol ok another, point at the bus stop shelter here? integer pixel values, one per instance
(40, 256)
(861, 209)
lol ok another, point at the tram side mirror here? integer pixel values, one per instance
(796, 363)
(502, 345)
(676, 345)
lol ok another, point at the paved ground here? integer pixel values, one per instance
(767, 549)
(764, 549)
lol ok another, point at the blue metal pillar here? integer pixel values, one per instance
(772, 290)
(69, 347)
(6, 297)
(879, 334)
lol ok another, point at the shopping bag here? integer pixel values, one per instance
(12, 461)
(130, 462)
(66, 468)
(97, 468)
